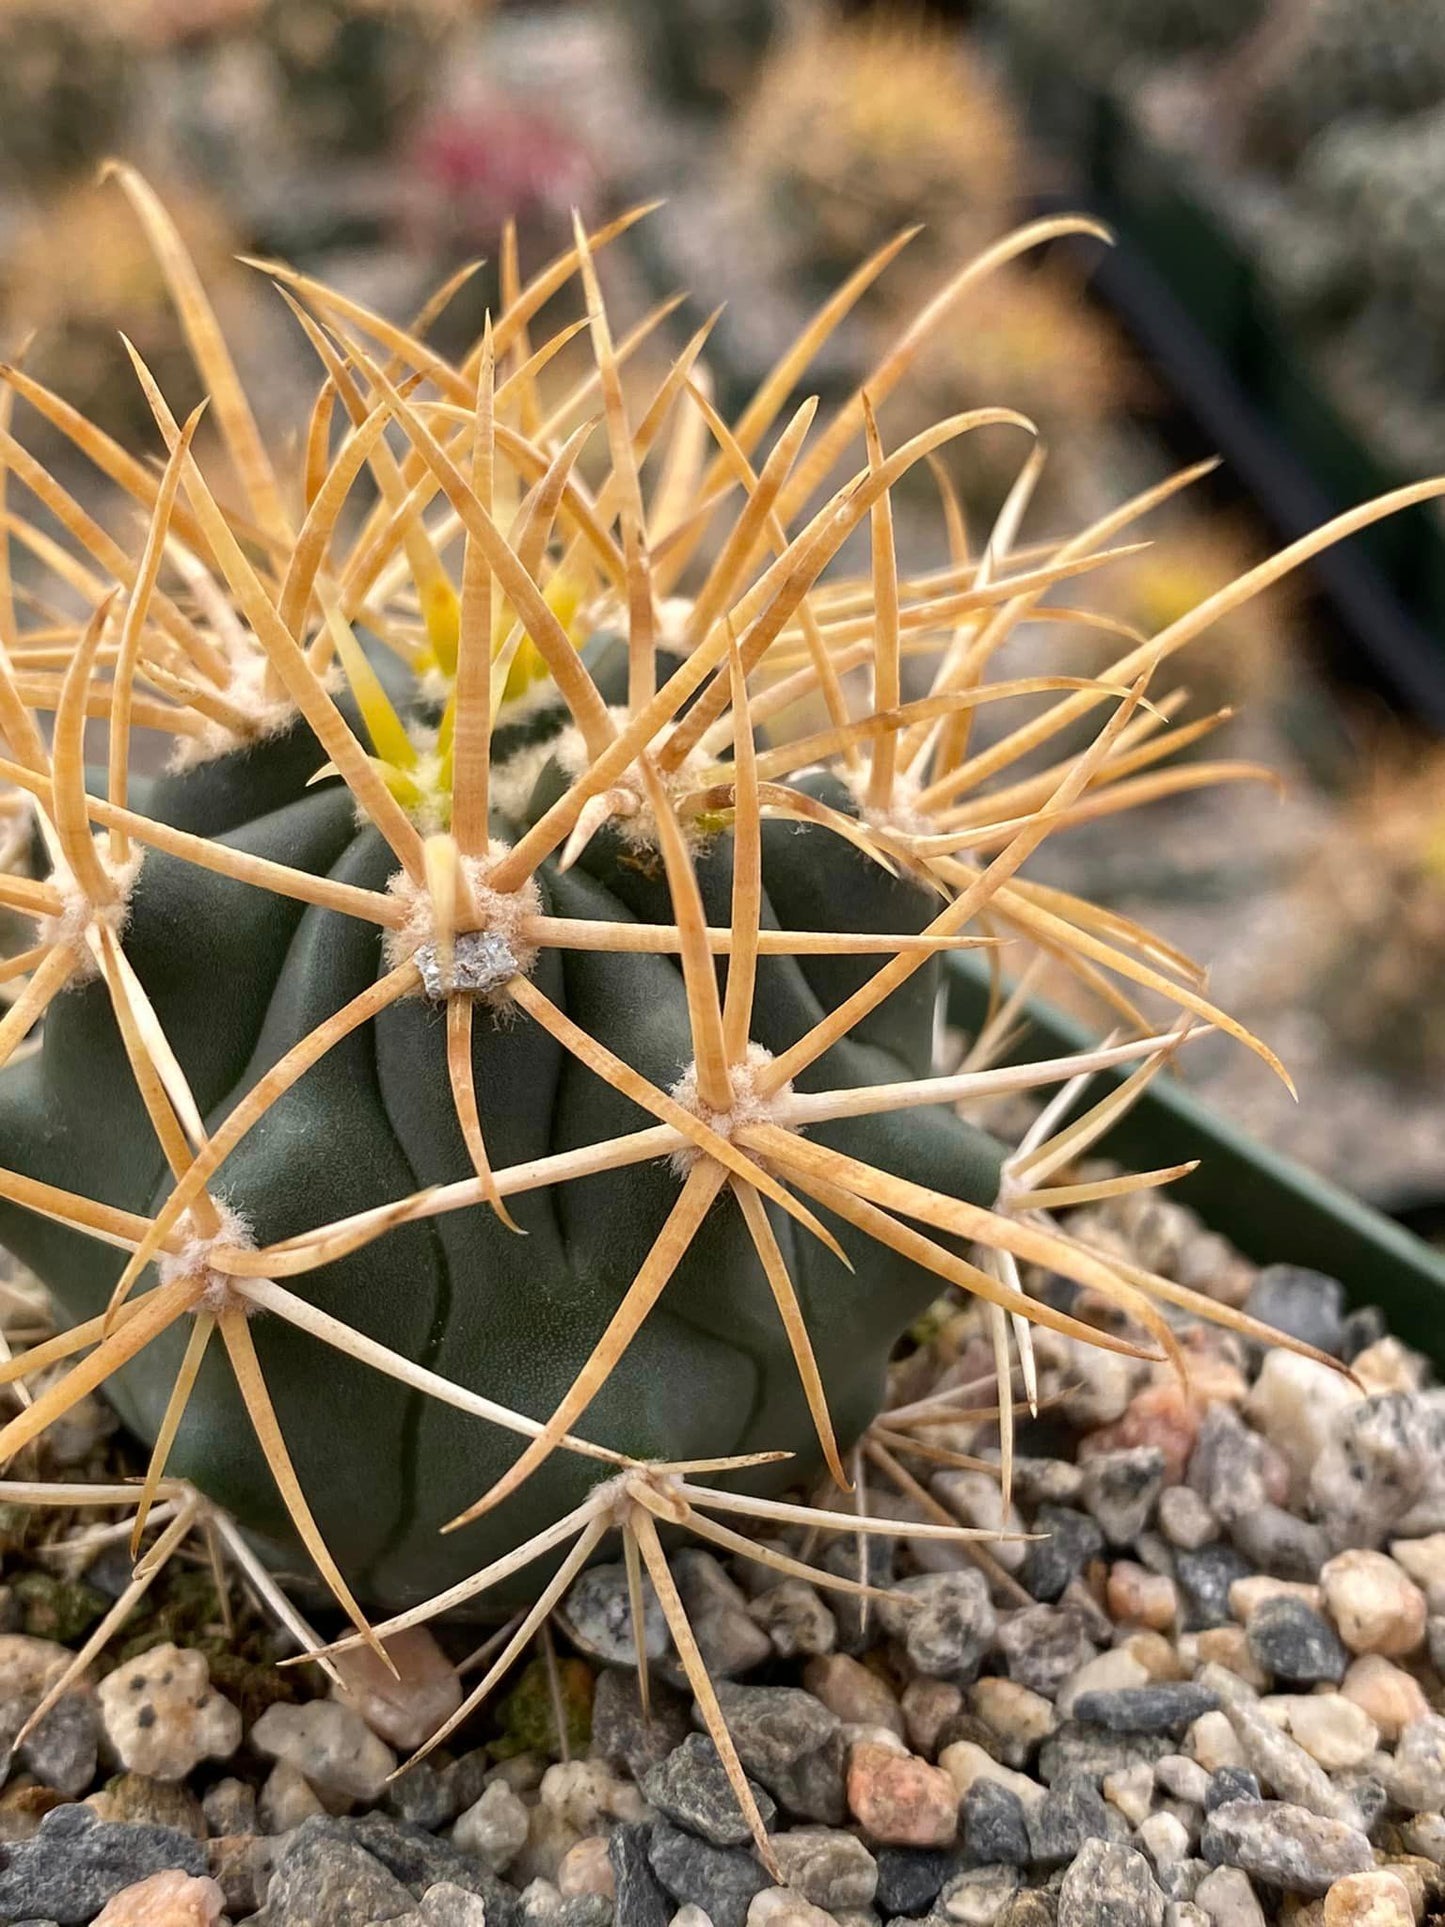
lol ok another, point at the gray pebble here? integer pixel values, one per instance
(585, 1910)
(597, 1613)
(720, 1880)
(731, 1642)
(832, 1869)
(1109, 1885)
(419, 1860)
(423, 1796)
(691, 1787)
(1121, 1489)
(1227, 1465)
(1043, 1647)
(1230, 1783)
(1163, 1706)
(1204, 1577)
(1075, 1748)
(639, 1900)
(322, 1878)
(910, 1879)
(74, 1864)
(1047, 1481)
(792, 1744)
(1280, 1543)
(1307, 1305)
(945, 1620)
(1071, 1812)
(622, 1734)
(1295, 1643)
(1285, 1845)
(1050, 1563)
(1229, 1899)
(1386, 1455)
(993, 1826)
(1416, 1779)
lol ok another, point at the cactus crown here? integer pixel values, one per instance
(479, 566)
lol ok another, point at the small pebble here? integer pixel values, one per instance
(1164, 1416)
(586, 1869)
(1378, 1899)
(994, 1825)
(1285, 1845)
(1295, 1643)
(493, 1828)
(1021, 1718)
(857, 1694)
(780, 1907)
(1071, 1540)
(717, 1609)
(1131, 1790)
(1138, 1597)
(1212, 1742)
(1228, 1899)
(1424, 1561)
(1043, 1647)
(1296, 1403)
(287, 1798)
(329, 1744)
(1156, 1708)
(1228, 1783)
(1183, 1777)
(832, 1869)
(1105, 1673)
(1110, 1885)
(1165, 1838)
(928, 1705)
(1332, 1729)
(1416, 1777)
(901, 1801)
(1120, 1490)
(1184, 1518)
(945, 1621)
(165, 1900)
(1303, 1304)
(1374, 1603)
(964, 1763)
(978, 1897)
(407, 1709)
(162, 1715)
(795, 1619)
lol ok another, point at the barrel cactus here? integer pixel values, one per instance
(486, 1079)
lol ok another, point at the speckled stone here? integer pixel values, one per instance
(1296, 1644)
(1285, 1845)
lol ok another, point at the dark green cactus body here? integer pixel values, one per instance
(237, 976)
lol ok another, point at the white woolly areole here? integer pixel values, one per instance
(501, 914)
(79, 914)
(901, 815)
(267, 715)
(193, 1262)
(637, 828)
(749, 1105)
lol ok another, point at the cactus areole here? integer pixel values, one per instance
(238, 976)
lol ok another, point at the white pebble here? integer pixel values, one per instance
(333, 1747)
(1332, 1729)
(1106, 1673)
(1374, 1603)
(1211, 1741)
(1295, 1402)
(493, 1828)
(1165, 1838)
(163, 1716)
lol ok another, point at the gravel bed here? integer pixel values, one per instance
(1201, 1685)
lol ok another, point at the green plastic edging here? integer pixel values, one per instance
(1272, 1209)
